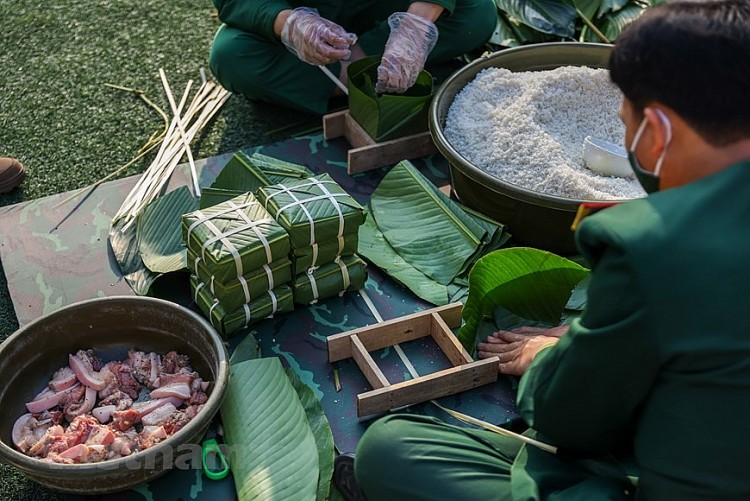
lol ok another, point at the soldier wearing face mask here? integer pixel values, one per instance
(647, 394)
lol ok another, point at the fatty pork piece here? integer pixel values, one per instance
(62, 379)
(86, 366)
(180, 418)
(185, 384)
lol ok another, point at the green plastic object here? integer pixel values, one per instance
(211, 448)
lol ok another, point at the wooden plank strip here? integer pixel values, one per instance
(333, 124)
(367, 157)
(355, 134)
(390, 332)
(448, 343)
(439, 384)
(367, 365)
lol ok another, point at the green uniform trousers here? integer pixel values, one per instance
(251, 64)
(408, 456)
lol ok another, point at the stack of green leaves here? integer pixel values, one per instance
(322, 221)
(422, 238)
(239, 263)
(280, 439)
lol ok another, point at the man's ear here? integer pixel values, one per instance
(657, 130)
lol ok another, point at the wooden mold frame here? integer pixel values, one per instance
(436, 322)
(366, 154)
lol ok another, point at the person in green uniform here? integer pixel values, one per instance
(269, 49)
(647, 394)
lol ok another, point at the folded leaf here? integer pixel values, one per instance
(433, 234)
(321, 429)
(375, 248)
(387, 116)
(273, 450)
(159, 231)
(530, 283)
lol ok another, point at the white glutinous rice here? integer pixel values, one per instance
(527, 128)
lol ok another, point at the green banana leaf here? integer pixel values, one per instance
(387, 116)
(279, 171)
(240, 174)
(274, 454)
(613, 24)
(127, 254)
(530, 283)
(160, 231)
(151, 242)
(375, 248)
(215, 196)
(589, 8)
(321, 429)
(553, 17)
(607, 6)
(249, 349)
(429, 231)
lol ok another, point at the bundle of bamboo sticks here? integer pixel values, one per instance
(183, 128)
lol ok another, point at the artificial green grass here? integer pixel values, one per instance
(69, 129)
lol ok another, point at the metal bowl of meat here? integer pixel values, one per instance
(534, 217)
(108, 393)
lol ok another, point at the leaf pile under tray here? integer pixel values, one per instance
(422, 238)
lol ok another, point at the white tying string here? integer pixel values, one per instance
(256, 230)
(335, 204)
(211, 285)
(219, 236)
(197, 290)
(334, 79)
(314, 287)
(341, 241)
(280, 189)
(344, 276)
(269, 275)
(246, 307)
(314, 258)
(202, 217)
(211, 311)
(245, 289)
(274, 303)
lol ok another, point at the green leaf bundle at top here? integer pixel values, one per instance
(387, 116)
(522, 22)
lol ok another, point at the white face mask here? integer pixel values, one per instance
(649, 180)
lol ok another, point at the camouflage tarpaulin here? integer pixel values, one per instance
(49, 264)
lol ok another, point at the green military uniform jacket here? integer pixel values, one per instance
(659, 363)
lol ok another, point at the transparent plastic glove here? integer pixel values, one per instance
(411, 40)
(314, 39)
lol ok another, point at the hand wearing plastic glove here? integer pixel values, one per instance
(411, 40)
(314, 39)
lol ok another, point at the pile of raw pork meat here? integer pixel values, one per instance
(92, 411)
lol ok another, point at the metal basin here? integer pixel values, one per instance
(111, 326)
(534, 218)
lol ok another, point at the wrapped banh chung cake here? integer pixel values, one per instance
(234, 238)
(314, 210)
(332, 279)
(227, 322)
(241, 290)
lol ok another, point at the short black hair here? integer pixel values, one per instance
(694, 57)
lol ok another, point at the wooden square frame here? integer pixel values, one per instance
(366, 154)
(436, 322)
